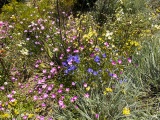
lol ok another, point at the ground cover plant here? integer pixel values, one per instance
(60, 62)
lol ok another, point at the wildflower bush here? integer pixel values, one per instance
(56, 65)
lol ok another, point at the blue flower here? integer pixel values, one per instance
(95, 73)
(70, 58)
(71, 68)
(97, 59)
(104, 55)
(76, 59)
(64, 64)
(90, 70)
(110, 74)
(66, 71)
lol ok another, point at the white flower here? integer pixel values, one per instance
(24, 51)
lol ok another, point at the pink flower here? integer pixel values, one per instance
(43, 105)
(73, 83)
(9, 95)
(72, 100)
(12, 100)
(36, 66)
(75, 98)
(51, 63)
(76, 106)
(85, 85)
(42, 27)
(35, 97)
(63, 106)
(44, 71)
(61, 86)
(1, 23)
(106, 44)
(129, 60)
(120, 61)
(62, 97)
(86, 95)
(68, 50)
(114, 75)
(59, 91)
(76, 51)
(60, 102)
(50, 119)
(67, 89)
(45, 95)
(49, 88)
(113, 63)
(44, 86)
(53, 70)
(25, 117)
(97, 116)
(2, 88)
(13, 92)
(40, 117)
(49, 76)
(53, 96)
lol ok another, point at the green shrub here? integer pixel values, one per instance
(146, 74)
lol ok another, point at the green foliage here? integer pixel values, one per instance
(44, 45)
(148, 66)
(107, 106)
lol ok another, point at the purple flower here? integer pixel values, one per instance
(76, 59)
(66, 71)
(71, 68)
(110, 74)
(90, 70)
(97, 116)
(64, 64)
(95, 73)
(104, 55)
(97, 59)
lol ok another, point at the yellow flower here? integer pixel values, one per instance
(37, 110)
(9, 107)
(14, 103)
(30, 115)
(5, 115)
(104, 92)
(16, 112)
(88, 88)
(126, 111)
(109, 90)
